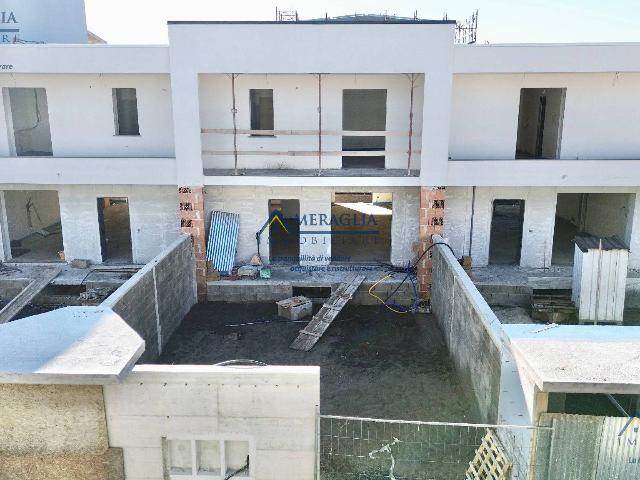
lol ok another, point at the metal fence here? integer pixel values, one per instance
(354, 448)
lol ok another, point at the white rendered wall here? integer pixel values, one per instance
(252, 203)
(539, 221)
(274, 408)
(600, 119)
(295, 104)
(82, 119)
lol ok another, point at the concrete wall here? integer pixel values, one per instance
(599, 120)
(482, 356)
(44, 212)
(155, 300)
(252, 203)
(611, 214)
(295, 104)
(464, 317)
(539, 220)
(274, 408)
(82, 119)
(55, 432)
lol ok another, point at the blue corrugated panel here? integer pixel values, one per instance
(223, 240)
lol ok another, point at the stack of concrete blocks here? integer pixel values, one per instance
(56, 432)
(295, 308)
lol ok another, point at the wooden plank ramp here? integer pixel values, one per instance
(321, 321)
(27, 294)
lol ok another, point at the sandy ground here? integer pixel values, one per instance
(374, 363)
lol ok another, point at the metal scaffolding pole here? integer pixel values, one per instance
(319, 124)
(234, 112)
(412, 80)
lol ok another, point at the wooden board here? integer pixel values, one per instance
(27, 294)
(321, 321)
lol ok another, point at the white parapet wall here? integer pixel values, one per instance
(272, 408)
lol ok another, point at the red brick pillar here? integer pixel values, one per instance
(431, 223)
(192, 223)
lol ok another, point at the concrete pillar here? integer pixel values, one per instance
(192, 223)
(539, 224)
(431, 223)
(5, 243)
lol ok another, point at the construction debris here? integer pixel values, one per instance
(295, 308)
(248, 271)
(80, 263)
(96, 293)
(321, 321)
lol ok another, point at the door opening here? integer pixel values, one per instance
(600, 214)
(115, 230)
(361, 227)
(540, 122)
(284, 231)
(505, 244)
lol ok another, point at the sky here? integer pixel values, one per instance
(499, 21)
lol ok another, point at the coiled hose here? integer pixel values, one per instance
(411, 271)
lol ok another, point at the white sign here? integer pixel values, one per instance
(42, 21)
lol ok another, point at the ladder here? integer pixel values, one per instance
(321, 321)
(27, 294)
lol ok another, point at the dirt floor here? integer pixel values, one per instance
(374, 363)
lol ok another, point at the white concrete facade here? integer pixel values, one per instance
(466, 101)
(272, 408)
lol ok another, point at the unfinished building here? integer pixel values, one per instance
(217, 171)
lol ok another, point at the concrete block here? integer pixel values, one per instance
(295, 308)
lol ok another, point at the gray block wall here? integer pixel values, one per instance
(465, 318)
(155, 300)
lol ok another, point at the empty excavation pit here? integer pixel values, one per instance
(374, 363)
